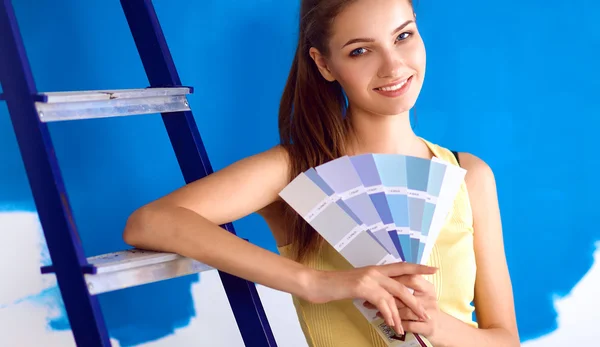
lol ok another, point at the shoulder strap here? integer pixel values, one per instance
(456, 156)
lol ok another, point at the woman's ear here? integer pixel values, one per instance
(321, 63)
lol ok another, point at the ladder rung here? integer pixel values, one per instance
(62, 106)
(124, 269)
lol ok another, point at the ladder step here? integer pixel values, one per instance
(134, 267)
(77, 105)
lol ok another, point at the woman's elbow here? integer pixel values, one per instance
(137, 231)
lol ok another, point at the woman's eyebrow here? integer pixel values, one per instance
(366, 39)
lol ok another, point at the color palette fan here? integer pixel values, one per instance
(377, 209)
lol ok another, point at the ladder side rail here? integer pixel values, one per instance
(192, 158)
(47, 186)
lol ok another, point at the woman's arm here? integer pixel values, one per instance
(494, 305)
(188, 220)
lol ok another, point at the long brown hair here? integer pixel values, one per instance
(312, 111)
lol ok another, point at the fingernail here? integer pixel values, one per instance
(400, 330)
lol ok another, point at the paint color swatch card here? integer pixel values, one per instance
(437, 172)
(453, 179)
(367, 171)
(378, 209)
(341, 176)
(417, 177)
(392, 171)
(320, 207)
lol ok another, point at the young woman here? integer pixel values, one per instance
(370, 52)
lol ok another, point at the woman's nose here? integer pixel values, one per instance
(391, 65)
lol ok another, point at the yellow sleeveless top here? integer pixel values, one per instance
(340, 324)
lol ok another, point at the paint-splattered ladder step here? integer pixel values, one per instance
(77, 105)
(129, 268)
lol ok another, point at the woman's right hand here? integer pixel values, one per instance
(375, 284)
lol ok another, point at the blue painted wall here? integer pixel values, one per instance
(510, 81)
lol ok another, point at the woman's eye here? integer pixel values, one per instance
(403, 36)
(357, 52)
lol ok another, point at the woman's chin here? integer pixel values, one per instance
(395, 110)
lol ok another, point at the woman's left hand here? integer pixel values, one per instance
(424, 292)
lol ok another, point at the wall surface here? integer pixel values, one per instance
(510, 81)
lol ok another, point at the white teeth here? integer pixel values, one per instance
(395, 87)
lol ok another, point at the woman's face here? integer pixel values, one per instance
(377, 55)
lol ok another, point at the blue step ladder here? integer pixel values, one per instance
(81, 279)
